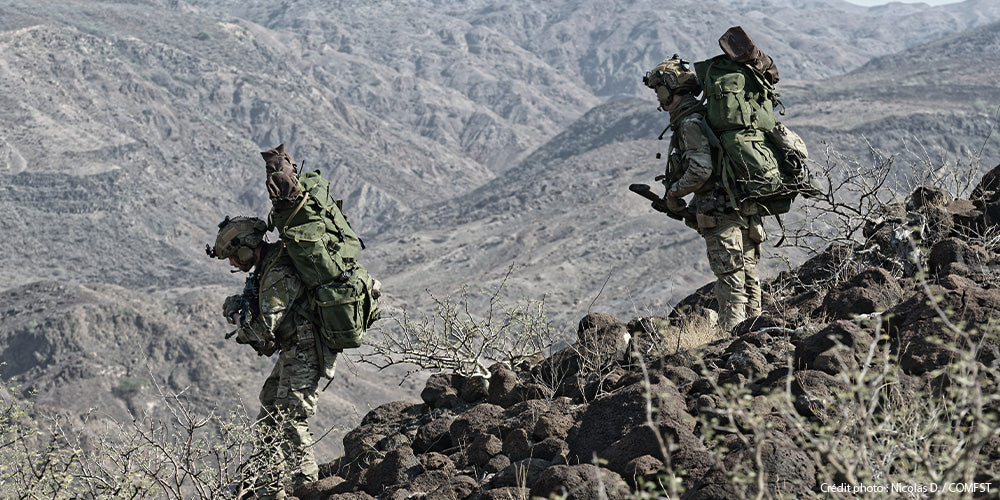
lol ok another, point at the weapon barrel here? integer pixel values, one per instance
(644, 191)
(647, 193)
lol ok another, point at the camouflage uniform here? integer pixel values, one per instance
(289, 395)
(732, 240)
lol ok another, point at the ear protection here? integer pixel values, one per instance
(244, 254)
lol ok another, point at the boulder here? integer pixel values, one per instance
(552, 449)
(398, 467)
(502, 383)
(784, 466)
(483, 448)
(602, 343)
(434, 435)
(818, 394)
(955, 256)
(986, 197)
(580, 482)
(517, 445)
(643, 469)
(872, 290)
(925, 341)
(382, 430)
(553, 424)
(613, 420)
(319, 490)
(474, 389)
(928, 196)
(480, 419)
(522, 473)
(747, 359)
(821, 351)
(504, 493)
(836, 263)
(437, 386)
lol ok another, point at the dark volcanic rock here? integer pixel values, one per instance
(785, 466)
(955, 256)
(480, 419)
(923, 339)
(837, 347)
(434, 435)
(319, 490)
(873, 290)
(614, 423)
(520, 473)
(483, 448)
(398, 467)
(835, 263)
(381, 431)
(502, 383)
(580, 482)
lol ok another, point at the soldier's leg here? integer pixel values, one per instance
(724, 245)
(297, 398)
(268, 393)
(268, 485)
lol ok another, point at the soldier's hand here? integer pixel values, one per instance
(231, 308)
(674, 204)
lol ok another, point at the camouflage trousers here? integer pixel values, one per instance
(287, 400)
(733, 254)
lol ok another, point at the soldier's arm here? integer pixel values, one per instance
(280, 288)
(696, 156)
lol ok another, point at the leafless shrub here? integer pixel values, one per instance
(458, 339)
(190, 456)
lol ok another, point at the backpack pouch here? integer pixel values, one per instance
(727, 108)
(314, 252)
(762, 114)
(750, 168)
(340, 314)
(346, 310)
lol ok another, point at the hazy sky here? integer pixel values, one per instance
(881, 2)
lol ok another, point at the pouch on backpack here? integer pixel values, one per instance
(347, 308)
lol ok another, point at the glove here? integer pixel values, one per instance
(660, 206)
(262, 342)
(674, 204)
(231, 307)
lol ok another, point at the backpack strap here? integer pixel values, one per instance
(296, 211)
(782, 226)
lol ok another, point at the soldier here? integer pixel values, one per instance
(732, 240)
(272, 316)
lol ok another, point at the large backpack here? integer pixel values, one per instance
(324, 250)
(753, 161)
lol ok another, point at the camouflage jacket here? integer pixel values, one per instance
(690, 153)
(281, 303)
(282, 294)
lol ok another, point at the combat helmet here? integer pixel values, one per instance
(238, 237)
(673, 75)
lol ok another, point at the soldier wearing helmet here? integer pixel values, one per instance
(272, 316)
(732, 252)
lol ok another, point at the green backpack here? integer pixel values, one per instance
(324, 250)
(753, 170)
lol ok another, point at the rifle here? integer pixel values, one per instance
(658, 204)
(249, 306)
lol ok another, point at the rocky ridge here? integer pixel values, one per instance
(594, 419)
